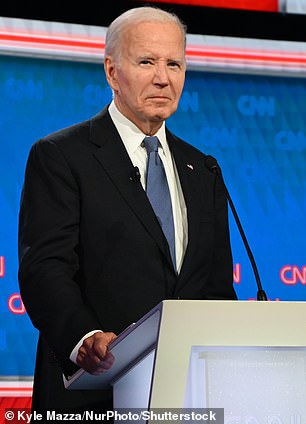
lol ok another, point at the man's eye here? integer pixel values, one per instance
(146, 62)
(174, 65)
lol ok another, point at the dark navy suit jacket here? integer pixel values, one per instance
(92, 254)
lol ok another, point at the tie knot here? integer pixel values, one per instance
(151, 144)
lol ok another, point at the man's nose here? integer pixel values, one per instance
(161, 75)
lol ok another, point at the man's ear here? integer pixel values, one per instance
(110, 72)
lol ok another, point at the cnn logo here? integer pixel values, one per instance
(292, 275)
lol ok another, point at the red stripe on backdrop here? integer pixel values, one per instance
(280, 57)
(260, 5)
(28, 38)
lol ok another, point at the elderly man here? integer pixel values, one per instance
(118, 214)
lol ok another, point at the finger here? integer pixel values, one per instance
(107, 361)
(87, 358)
(105, 364)
(88, 363)
(111, 337)
(94, 351)
(100, 345)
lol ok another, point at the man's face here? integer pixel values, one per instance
(148, 78)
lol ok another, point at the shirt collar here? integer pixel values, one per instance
(131, 135)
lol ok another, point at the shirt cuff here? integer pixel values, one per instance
(75, 350)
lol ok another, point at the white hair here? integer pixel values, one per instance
(132, 17)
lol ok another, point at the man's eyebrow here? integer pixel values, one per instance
(152, 57)
(176, 60)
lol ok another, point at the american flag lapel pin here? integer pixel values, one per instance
(190, 166)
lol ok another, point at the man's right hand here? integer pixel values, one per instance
(94, 356)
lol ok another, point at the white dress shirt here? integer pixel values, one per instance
(132, 138)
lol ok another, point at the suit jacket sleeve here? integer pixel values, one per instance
(48, 250)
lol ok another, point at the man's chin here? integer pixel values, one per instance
(161, 114)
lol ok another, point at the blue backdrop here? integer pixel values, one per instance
(255, 125)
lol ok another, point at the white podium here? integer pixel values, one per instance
(246, 357)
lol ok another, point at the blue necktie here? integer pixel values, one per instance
(158, 193)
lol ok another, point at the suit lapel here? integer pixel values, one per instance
(116, 162)
(189, 179)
